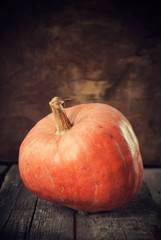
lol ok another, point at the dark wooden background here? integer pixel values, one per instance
(89, 51)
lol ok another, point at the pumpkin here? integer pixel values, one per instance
(85, 157)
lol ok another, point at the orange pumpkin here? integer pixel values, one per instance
(85, 157)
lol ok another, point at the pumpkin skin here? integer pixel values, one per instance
(95, 166)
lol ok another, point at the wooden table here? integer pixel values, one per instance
(25, 216)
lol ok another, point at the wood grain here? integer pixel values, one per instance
(153, 181)
(8, 194)
(51, 222)
(24, 216)
(137, 220)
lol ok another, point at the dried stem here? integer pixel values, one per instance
(62, 122)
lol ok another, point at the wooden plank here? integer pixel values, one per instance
(8, 193)
(17, 206)
(51, 221)
(18, 222)
(24, 216)
(136, 221)
(152, 178)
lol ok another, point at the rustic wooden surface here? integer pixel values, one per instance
(23, 216)
(90, 51)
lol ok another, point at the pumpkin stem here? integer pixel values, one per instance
(62, 122)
